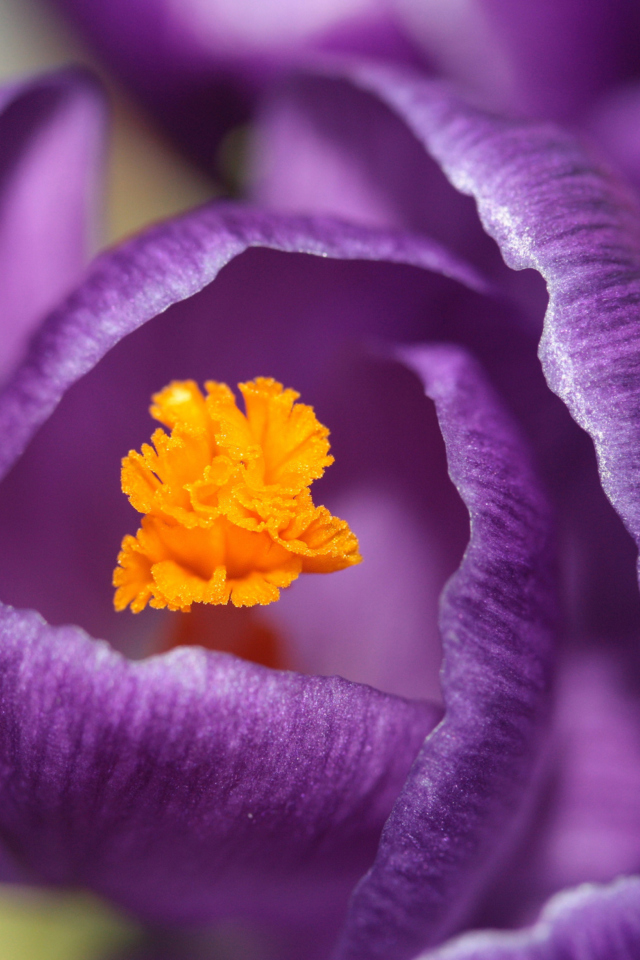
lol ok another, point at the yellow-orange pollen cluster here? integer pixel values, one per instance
(228, 512)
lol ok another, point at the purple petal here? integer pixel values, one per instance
(593, 829)
(51, 140)
(586, 825)
(591, 922)
(198, 66)
(541, 57)
(194, 784)
(326, 148)
(321, 145)
(550, 208)
(614, 124)
(124, 289)
(459, 807)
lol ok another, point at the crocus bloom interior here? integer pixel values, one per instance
(328, 756)
(228, 511)
(422, 811)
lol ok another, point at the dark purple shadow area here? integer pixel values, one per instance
(21, 120)
(195, 101)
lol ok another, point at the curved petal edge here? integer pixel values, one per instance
(593, 922)
(468, 787)
(550, 207)
(52, 131)
(193, 784)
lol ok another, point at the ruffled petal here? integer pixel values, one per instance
(124, 289)
(318, 131)
(325, 145)
(51, 144)
(590, 922)
(458, 809)
(550, 208)
(194, 784)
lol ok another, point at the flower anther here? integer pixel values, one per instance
(228, 514)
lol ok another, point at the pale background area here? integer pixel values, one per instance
(147, 180)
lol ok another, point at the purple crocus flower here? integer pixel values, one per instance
(194, 786)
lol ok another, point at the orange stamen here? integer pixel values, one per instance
(228, 514)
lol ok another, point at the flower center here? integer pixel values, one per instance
(228, 514)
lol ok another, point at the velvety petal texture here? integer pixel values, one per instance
(590, 923)
(51, 142)
(551, 208)
(326, 145)
(457, 811)
(194, 784)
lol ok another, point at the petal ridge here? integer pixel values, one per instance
(469, 783)
(550, 207)
(169, 784)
